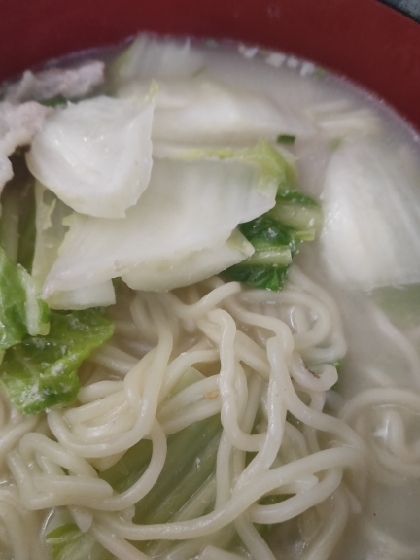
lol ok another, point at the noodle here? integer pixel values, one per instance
(257, 358)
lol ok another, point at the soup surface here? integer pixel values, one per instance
(173, 385)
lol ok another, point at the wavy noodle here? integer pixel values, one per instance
(265, 362)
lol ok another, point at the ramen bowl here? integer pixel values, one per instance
(369, 43)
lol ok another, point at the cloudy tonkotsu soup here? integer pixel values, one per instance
(209, 310)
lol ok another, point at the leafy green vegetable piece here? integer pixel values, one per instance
(298, 211)
(190, 376)
(130, 467)
(22, 312)
(136, 459)
(190, 459)
(270, 278)
(266, 233)
(275, 246)
(276, 236)
(286, 139)
(41, 371)
(27, 233)
(9, 222)
(54, 101)
(17, 222)
(67, 542)
(37, 312)
(12, 314)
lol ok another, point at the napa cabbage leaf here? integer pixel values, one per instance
(52, 215)
(190, 460)
(68, 542)
(276, 237)
(22, 311)
(191, 205)
(372, 215)
(167, 275)
(96, 155)
(210, 114)
(41, 371)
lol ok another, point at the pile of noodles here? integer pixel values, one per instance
(255, 348)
